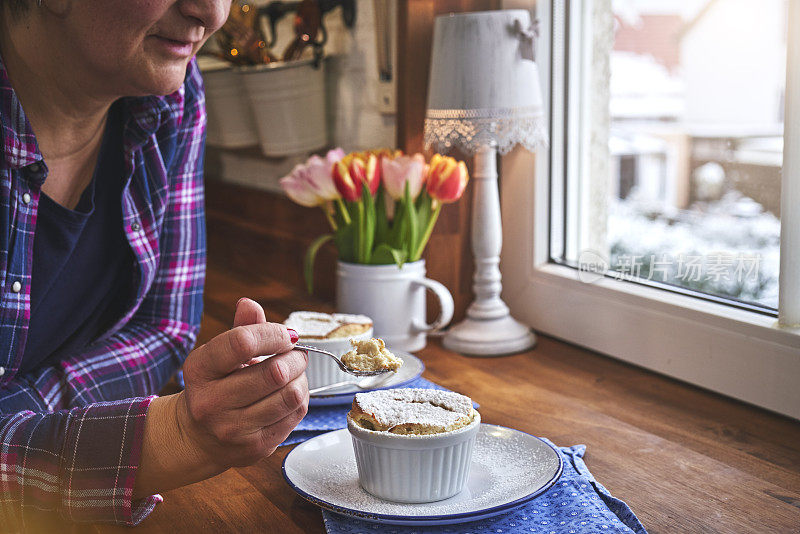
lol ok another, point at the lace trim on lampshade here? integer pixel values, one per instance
(472, 129)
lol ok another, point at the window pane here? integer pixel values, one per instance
(682, 139)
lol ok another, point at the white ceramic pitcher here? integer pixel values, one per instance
(394, 297)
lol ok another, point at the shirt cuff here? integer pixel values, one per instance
(101, 454)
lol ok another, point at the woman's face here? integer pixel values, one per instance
(135, 47)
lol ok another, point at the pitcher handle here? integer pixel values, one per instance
(446, 305)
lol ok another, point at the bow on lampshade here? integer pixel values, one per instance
(484, 96)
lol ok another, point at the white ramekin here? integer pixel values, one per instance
(321, 370)
(413, 468)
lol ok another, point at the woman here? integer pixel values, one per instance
(102, 267)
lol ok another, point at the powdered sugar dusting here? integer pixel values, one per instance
(349, 318)
(310, 324)
(427, 407)
(506, 466)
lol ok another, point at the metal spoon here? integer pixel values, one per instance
(339, 362)
(363, 384)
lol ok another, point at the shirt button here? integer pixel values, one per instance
(26, 198)
(2, 371)
(34, 167)
(136, 227)
(16, 287)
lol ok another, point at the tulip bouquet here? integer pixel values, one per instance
(381, 205)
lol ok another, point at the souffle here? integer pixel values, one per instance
(371, 355)
(412, 411)
(316, 325)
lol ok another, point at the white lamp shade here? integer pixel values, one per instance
(484, 85)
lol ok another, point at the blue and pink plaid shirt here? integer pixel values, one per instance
(71, 431)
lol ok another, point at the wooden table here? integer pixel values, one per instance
(684, 459)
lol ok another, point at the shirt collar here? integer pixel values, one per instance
(20, 148)
(148, 113)
(144, 115)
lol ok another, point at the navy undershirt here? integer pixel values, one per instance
(82, 263)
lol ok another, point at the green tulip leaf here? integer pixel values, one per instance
(411, 222)
(342, 214)
(423, 209)
(424, 205)
(369, 223)
(426, 234)
(360, 233)
(381, 219)
(395, 233)
(386, 255)
(310, 258)
(344, 238)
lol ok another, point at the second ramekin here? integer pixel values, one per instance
(322, 371)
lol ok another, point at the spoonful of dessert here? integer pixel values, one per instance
(368, 358)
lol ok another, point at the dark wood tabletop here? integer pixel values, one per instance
(684, 459)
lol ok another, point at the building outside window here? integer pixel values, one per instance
(686, 137)
(651, 227)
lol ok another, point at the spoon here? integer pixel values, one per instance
(339, 362)
(363, 384)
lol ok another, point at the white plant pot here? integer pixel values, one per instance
(288, 104)
(395, 300)
(230, 120)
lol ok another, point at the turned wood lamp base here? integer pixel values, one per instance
(489, 329)
(496, 337)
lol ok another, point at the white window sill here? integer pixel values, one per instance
(732, 351)
(735, 352)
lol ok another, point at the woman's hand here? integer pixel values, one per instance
(233, 411)
(237, 415)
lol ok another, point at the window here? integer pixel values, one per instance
(684, 135)
(655, 217)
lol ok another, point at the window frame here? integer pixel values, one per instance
(732, 350)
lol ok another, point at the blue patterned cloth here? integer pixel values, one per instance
(321, 419)
(576, 504)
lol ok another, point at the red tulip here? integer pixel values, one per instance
(353, 171)
(381, 154)
(372, 175)
(343, 178)
(447, 178)
(385, 153)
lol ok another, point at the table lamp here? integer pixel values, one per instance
(484, 96)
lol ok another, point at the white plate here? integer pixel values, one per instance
(411, 370)
(509, 468)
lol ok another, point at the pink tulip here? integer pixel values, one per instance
(318, 175)
(300, 191)
(401, 170)
(334, 155)
(380, 154)
(311, 184)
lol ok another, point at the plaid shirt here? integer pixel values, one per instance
(68, 442)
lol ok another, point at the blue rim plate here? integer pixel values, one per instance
(411, 370)
(322, 471)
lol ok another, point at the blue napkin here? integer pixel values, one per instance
(576, 504)
(321, 419)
